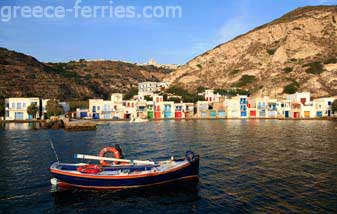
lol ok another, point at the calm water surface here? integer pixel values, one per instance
(246, 166)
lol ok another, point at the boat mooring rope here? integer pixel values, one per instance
(52, 146)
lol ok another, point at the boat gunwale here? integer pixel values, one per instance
(190, 177)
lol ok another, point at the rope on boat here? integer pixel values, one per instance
(52, 146)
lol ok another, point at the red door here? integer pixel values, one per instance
(253, 113)
(157, 115)
(178, 114)
(296, 114)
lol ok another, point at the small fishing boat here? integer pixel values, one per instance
(138, 120)
(117, 173)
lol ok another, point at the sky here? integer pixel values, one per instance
(203, 25)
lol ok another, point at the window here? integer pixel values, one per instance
(7, 105)
(7, 113)
(13, 105)
(329, 103)
(98, 108)
(18, 106)
(24, 105)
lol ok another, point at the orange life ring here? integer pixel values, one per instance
(90, 169)
(111, 150)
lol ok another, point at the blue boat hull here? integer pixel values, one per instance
(190, 171)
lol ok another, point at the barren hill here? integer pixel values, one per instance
(297, 52)
(23, 75)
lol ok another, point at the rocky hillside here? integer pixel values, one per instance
(297, 52)
(22, 75)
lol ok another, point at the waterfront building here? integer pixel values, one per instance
(243, 106)
(308, 110)
(189, 110)
(258, 107)
(203, 109)
(323, 106)
(16, 108)
(100, 109)
(142, 109)
(284, 108)
(150, 109)
(130, 109)
(82, 113)
(296, 110)
(272, 108)
(169, 110)
(219, 109)
(232, 107)
(158, 106)
(179, 110)
(211, 97)
(299, 97)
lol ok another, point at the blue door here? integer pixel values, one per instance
(221, 113)
(95, 116)
(83, 114)
(213, 114)
(243, 114)
(107, 116)
(286, 114)
(18, 115)
(30, 117)
(319, 114)
(167, 114)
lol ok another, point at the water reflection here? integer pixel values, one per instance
(246, 166)
(19, 126)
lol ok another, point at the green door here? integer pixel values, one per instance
(150, 114)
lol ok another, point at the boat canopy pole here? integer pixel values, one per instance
(91, 157)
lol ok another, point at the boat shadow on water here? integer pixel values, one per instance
(172, 193)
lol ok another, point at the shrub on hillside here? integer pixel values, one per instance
(292, 88)
(332, 60)
(287, 69)
(234, 72)
(186, 96)
(231, 92)
(334, 106)
(314, 68)
(245, 80)
(271, 51)
(132, 92)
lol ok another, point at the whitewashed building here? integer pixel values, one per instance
(148, 88)
(323, 106)
(16, 108)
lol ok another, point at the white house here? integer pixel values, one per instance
(233, 107)
(300, 97)
(323, 106)
(16, 108)
(210, 96)
(148, 88)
